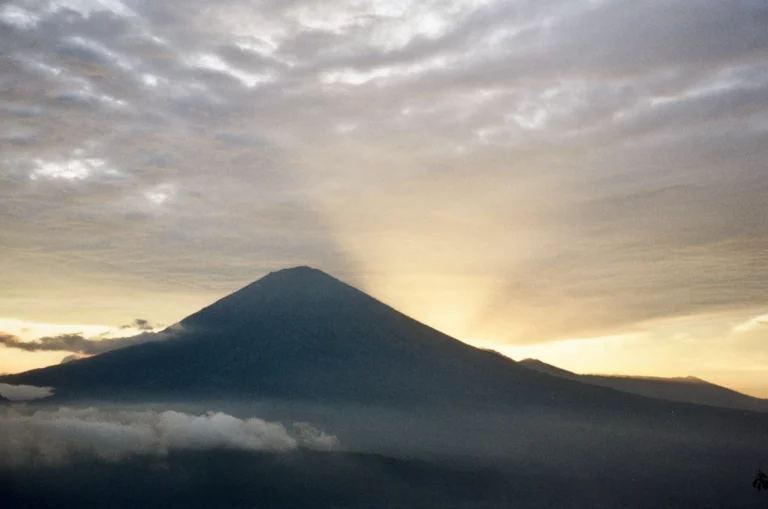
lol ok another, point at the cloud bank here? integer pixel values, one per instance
(54, 437)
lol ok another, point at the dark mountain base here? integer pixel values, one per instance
(305, 479)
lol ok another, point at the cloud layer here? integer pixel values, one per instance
(518, 172)
(52, 437)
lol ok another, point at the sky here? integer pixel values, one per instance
(580, 181)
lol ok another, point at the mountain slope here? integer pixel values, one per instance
(688, 389)
(543, 367)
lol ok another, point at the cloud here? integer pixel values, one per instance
(24, 392)
(66, 434)
(76, 343)
(139, 324)
(541, 170)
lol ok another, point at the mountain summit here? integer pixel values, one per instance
(297, 293)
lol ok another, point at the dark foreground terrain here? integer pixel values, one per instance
(305, 479)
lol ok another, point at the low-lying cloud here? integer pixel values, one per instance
(55, 437)
(77, 343)
(24, 392)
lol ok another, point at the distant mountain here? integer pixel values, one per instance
(685, 389)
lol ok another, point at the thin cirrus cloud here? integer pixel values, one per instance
(522, 172)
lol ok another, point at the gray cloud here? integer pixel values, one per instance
(55, 437)
(601, 162)
(140, 324)
(76, 343)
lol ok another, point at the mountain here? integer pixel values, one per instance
(301, 334)
(685, 389)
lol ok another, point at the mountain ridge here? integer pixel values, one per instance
(686, 389)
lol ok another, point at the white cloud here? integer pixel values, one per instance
(214, 62)
(351, 76)
(78, 167)
(18, 17)
(152, 80)
(64, 434)
(160, 194)
(88, 7)
(74, 169)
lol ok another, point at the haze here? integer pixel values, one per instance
(581, 182)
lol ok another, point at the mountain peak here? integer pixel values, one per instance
(301, 279)
(300, 270)
(292, 291)
(300, 274)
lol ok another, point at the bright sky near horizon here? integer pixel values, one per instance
(580, 181)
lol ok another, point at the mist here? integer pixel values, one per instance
(52, 437)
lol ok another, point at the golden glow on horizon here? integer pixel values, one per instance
(31, 330)
(664, 349)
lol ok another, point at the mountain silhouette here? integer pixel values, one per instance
(301, 334)
(684, 389)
